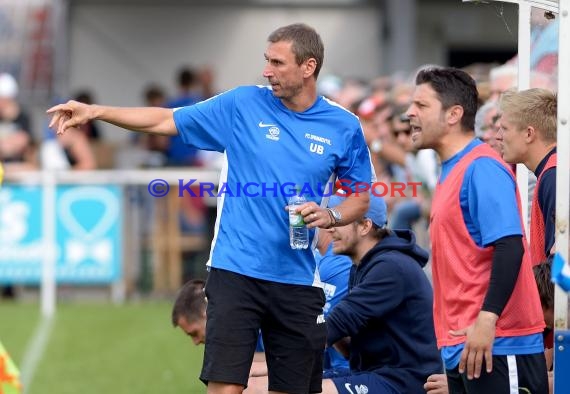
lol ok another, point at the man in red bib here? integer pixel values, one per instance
(528, 135)
(486, 306)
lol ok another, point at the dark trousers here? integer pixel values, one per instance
(525, 374)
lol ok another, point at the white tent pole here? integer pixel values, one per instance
(48, 287)
(524, 83)
(563, 164)
(562, 8)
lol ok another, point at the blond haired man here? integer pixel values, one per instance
(528, 135)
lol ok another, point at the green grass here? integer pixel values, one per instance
(100, 348)
(18, 322)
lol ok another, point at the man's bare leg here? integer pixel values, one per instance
(258, 385)
(224, 388)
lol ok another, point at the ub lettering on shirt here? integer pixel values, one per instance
(245, 121)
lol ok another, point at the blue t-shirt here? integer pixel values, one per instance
(488, 202)
(487, 197)
(334, 271)
(270, 149)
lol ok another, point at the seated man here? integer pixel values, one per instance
(189, 313)
(387, 313)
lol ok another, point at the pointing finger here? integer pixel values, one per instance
(56, 108)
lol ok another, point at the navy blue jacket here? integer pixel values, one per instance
(388, 315)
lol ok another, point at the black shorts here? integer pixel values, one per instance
(291, 323)
(511, 374)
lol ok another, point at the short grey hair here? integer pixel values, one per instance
(480, 117)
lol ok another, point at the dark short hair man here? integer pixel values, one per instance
(486, 305)
(387, 313)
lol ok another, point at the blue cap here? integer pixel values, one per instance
(377, 211)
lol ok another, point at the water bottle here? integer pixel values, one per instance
(298, 231)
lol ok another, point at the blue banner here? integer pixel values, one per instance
(88, 247)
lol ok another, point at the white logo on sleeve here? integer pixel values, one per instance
(320, 319)
(362, 389)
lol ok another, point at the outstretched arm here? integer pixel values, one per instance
(145, 119)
